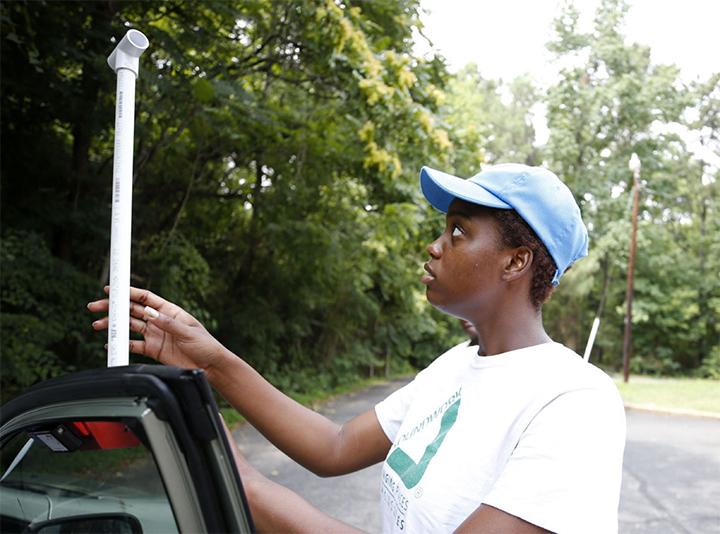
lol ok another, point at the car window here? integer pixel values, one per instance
(98, 472)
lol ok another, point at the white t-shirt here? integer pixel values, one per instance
(535, 432)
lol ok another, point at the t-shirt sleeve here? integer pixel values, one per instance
(391, 411)
(564, 474)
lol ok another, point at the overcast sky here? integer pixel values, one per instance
(507, 38)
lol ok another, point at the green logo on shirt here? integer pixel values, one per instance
(409, 471)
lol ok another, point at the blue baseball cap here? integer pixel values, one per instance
(535, 193)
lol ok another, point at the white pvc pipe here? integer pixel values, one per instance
(591, 339)
(125, 61)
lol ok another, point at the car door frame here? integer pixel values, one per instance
(181, 420)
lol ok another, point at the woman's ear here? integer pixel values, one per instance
(518, 264)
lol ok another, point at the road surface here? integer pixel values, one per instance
(671, 475)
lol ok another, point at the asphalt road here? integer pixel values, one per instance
(671, 475)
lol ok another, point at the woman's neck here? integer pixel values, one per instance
(506, 330)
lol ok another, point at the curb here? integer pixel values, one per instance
(652, 408)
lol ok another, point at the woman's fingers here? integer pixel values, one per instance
(136, 325)
(100, 324)
(146, 298)
(137, 310)
(137, 346)
(166, 323)
(98, 305)
(141, 296)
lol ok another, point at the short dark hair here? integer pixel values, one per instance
(515, 232)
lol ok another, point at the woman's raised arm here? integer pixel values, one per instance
(174, 337)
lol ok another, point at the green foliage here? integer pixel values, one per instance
(36, 323)
(710, 367)
(275, 191)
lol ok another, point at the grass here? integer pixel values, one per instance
(672, 393)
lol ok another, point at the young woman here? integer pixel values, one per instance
(521, 437)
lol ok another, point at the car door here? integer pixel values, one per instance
(125, 449)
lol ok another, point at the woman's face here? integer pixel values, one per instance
(466, 262)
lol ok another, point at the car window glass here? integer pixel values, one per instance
(81, 469)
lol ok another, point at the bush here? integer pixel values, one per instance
(44, 327)
(710, 367)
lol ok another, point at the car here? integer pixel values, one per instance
(130, 449)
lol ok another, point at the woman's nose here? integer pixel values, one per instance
(434, 249)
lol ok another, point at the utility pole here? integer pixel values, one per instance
(634, 166)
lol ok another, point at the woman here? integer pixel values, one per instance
(522, 437)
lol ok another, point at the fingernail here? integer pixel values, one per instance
(88, 305)
(95, 323)
(152, 312)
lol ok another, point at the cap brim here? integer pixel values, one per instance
(440, 189)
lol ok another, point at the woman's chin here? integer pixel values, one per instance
(436, 300)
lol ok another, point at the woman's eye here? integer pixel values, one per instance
(456, 232)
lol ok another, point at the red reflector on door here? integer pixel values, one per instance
(108, 434)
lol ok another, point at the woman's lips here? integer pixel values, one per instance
(429, 277)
